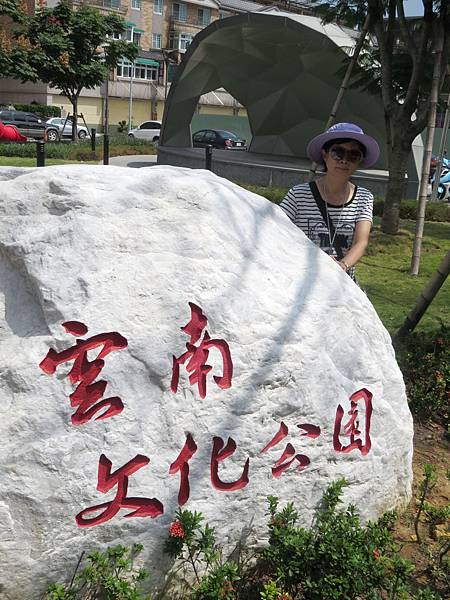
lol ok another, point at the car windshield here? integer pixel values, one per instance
(228, 135)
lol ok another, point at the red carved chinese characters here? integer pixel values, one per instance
(88, 393)
(181, 465)
(218, 454)
(352, 427)
(196, 357)
(289, 454)
(142, 507)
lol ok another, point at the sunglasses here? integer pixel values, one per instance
(340, 153)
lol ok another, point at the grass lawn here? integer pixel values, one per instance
(19, 161)
(384, 274)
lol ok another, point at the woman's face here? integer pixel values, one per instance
(342, 159)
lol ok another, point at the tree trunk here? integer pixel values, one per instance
(395, 189)
(74, 101)
(434, 98)
(425, 298)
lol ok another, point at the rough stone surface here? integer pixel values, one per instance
(126, 250)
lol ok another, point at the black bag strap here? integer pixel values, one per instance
(323, 210)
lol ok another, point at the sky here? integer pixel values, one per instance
(413, 7)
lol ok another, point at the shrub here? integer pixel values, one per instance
(109, 575)
(195, 546)
(337, 558)
(425, 364)
(435, 211)
(42, 110)
(118, 145)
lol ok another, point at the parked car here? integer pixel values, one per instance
(29, 124)
(218, 138)
(148, 130)
(55, 129)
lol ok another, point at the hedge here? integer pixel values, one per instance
(435, 211)
(42, 110)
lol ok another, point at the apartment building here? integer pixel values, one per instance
(163, 30)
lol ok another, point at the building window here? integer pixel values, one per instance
(136, 4)
(180, 41)
(116, 36)
(158, 6)
(156, 40)
(179, 11)
(203, 17)
(146, 72)
(137, 38)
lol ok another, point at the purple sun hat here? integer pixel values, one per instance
(344, 130)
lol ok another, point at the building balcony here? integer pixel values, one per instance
(179, 23)
(109, 5)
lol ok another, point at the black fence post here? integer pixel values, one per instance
(106, 149)
(93, 138)
(40, 153)
(208, 157)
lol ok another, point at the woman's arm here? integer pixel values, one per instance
(359, 245)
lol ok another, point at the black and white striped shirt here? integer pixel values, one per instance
(301, 207)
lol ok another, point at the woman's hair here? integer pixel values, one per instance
(330, 143)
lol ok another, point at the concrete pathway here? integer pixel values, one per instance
(135, 161)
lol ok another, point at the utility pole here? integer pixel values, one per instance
(130, 100)
(106, 123)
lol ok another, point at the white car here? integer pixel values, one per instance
(148, 130)
(54, 129)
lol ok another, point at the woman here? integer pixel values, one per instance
(334, 213)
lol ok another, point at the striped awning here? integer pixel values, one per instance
(146, 61)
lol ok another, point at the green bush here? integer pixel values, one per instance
(108, 575)
(434, 211)
(42, 110)
(119, 145)
(337, 558)
(425, 363)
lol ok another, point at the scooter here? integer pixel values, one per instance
(443, 191)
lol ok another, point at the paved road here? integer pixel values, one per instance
(136, 161)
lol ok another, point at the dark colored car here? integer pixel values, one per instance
(218, 138)
(27, 123)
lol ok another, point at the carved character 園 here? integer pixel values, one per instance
(352, 428)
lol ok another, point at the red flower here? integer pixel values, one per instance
(376, 554)
(177, 530)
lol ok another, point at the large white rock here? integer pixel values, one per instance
(125, 251)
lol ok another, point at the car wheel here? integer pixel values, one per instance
(52, 135)
(131, 136)
(156, 138)
(81, 135)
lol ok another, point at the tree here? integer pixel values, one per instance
(425, 299)
(401, 61)
(70, 49)
(13, 52)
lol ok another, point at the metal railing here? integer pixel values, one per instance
(115, 5)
